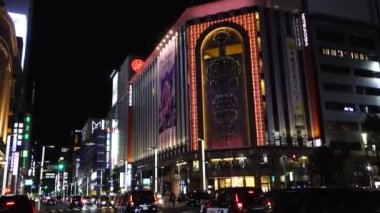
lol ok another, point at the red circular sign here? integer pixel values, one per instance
(136, 64)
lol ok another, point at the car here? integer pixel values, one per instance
(197, 197)
(316, 200)
(75, 201)
(120, 203)
(51, 202)
(87, 201)
(231, 200)
(142, 201)
(17, 203)
(104, 201)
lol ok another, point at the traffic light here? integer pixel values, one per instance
(61, 166)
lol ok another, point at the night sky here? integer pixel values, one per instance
(75, 45)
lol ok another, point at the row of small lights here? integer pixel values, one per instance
(166, 40)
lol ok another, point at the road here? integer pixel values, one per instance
(63, 207)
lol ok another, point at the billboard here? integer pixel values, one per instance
(19, 12)
(167, 108)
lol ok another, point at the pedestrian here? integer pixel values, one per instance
(172, 198)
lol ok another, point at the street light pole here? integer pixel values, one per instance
(41, 172)
(203, 164)
(368, 166)
(41, 169)
(155, 167)
(155, 170)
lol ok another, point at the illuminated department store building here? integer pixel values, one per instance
(241, 77)
(230, 73)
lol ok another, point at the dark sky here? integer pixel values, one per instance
(75, 45)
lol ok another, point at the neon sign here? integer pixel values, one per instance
(136, 64)
(304, 29)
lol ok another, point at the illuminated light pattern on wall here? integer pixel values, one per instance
(248, 22)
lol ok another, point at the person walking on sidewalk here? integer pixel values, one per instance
(172, 198)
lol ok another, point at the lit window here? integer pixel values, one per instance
(340, 53)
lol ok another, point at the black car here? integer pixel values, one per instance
(16, 203)
(141, 201)
(51, 202)
(75, 202)
(319, 200)
(231, 200)
(196, 198)
(104, 201)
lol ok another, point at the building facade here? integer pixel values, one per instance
(232, 78)
(346, 60)
(92, 164)
(9, 70)
(261, 84)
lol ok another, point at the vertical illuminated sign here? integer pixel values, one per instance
(115, 88)
(130, 94)
(15, 163)
(304, 30)
(20, 22)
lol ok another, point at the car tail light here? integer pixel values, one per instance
(131, 201)
(268, 204)
(238, 204)
(10, 203)
(155, 200)
(208, 204)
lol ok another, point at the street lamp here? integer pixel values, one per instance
(41, 171)
(162, 180)
(42, 167)
(155, 167)
(368, 166)
(203, 164)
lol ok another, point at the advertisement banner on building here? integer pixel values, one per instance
(167, 108)
(295, 89)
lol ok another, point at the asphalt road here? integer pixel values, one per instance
(64, 207)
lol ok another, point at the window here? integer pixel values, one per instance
(361, 41)
(332, 87)
(367, 91)
(372, 109)
(330, 36)
(341, 126)
(364, 73)
(331, 69)
(335, 106)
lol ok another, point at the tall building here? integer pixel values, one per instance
(19, 156)
(93, 165)
(9, 70)
(120, 124)
(346, 57)
(250, 80)
(229, 75)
